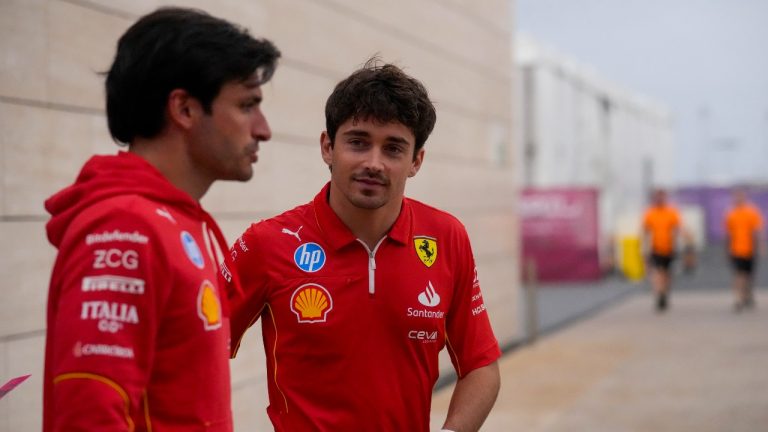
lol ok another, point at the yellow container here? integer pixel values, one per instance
(632, 258)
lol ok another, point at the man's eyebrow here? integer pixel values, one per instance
(357, 133)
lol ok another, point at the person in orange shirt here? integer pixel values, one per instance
(744, 230)
(661, 225)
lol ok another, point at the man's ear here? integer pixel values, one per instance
(416, 164)
(183, 109)
(326, 148)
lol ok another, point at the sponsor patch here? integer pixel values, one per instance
(209, 306)
(311, 303)
(426, 249)
(429, 297)
(192, 250)
(423, 335)
(115, 258)
(309, 257)
(111, 316)
(116, 236)
(423, 313)
(81, 350)
(475, 280)
(113, 283)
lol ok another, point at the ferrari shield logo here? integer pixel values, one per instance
(426, 249)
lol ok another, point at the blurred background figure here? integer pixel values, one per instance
(661, 225)
(745, 243)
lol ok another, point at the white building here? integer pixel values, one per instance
(578, 129)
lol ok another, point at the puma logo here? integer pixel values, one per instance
(295, 234)
(164, 213)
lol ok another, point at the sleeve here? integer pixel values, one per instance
(469, 336)
(106, 294)
(245, 280)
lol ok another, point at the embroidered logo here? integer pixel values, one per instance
(426, 249)
(429, 297)
(311, 303)
(309, 257)
(192, 250)
(209, 306)
(293, 233)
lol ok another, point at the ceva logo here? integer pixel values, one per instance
(429, 297)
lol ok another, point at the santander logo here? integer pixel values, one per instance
(429, 297)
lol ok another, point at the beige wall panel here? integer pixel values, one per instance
(498, 279)
(455, 186)
(26, 265)
(24, 404)
(294, 103)
(81, 43)
(287, 174)
(437, 26)
(250, 363)
(491, 233)
(249, 383)
(468, 138)
(298, 39)
(23, 49)
(249, 406)
(46, 153)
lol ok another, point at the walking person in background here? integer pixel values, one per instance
(661, 226)
(360, 289)
(138, 335)
(745, 242)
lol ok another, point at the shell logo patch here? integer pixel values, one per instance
(426, 249)
(311, 303)
(209, 306)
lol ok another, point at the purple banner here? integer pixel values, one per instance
(559, 230)
(715, 202)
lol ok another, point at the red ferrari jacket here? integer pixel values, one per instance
(352, 335)
(138, 337)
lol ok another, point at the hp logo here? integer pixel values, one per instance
(310, 257)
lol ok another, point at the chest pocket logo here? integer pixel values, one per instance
(311, 303)
(426, 249)
(310, 257)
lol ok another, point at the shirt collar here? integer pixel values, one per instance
(337, 235)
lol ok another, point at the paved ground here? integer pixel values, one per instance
(606, 361)
(700, 367)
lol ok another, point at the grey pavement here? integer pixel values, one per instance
(607, 361)
(698, 367)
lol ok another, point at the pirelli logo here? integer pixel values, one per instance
(113, 283)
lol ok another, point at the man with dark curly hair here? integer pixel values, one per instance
(360, 289)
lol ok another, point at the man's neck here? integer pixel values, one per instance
(169, 156)
(368, 225)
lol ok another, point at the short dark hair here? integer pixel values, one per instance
(385, 93)
(177, 48)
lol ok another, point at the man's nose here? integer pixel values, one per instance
(260, 129)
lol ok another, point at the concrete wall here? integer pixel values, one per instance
(52, 120)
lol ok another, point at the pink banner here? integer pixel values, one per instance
(559, 229)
